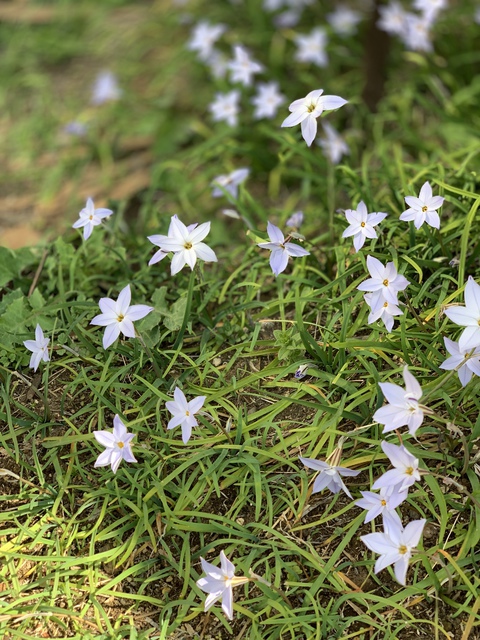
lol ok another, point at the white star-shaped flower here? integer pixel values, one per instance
(267, 100)
(158, 239)
(229, 182)
(430, 8)
(281, 249)
(416, 33)
(242, 67)
(186, 244)
(118, 316)
(225, 107)
(361, 224)
(183, 412)
(295, 221)
(38, 347)
(218, 64)
(388, 499)
(333, 145)
(405, 471)
(204, 35)
(423, 208)
(117, 445)
(392, 18)
(403, 406)
(385, 279)
(105, 88)
(329, 476)
(395, 545)
(307, 110)
(381, 309)
(311, 47)
(218, 583)
(468, 317)
(466, 361)
(344, 20)
(90, 217)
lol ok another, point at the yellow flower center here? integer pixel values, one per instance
(188, 245)
(120, 318)
(311, 108)
(383, 503)
(187, 413)
(385, 282)
(424, 208)
(409, 471)
(120, 445)
(402, 549)
(90, 217)
(362, 224)
(385, 305)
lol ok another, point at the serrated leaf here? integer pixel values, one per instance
(174, 318)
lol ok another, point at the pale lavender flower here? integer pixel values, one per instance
(392, 19)
(381, 309)
(186, 244)
(281, 249)
(406, 470)
(344, 20)
(118, 316)
(307, 110)
(158, 239)
(203, 37)
(423, 208)
(225, 107)
(385, 279)
(218, 583)
(105, 88)
(273, 5)
(388, 499)
(117, 445)
(218, 64)
(76, 128)
(466, 361)
(38, 347)
(311, 47)
(403, 406)
(416, 33)
(361, 224)
(288, 18)
(90, 217)
(468, 317)
(329, 476)
(301, 372)
(183, 412)
(267, 100)
(395, 545)
(295, 221)
(229, 182)
(430, 8)
(333, 145)
(242, 67)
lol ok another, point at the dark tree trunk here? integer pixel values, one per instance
(377, 46)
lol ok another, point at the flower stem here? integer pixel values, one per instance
(179, 340)
(413, 312)
(256, 578)
(149, 353)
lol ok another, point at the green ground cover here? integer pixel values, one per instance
(87, 553)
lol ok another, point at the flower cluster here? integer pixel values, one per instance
(413, 28)
(396, 544)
